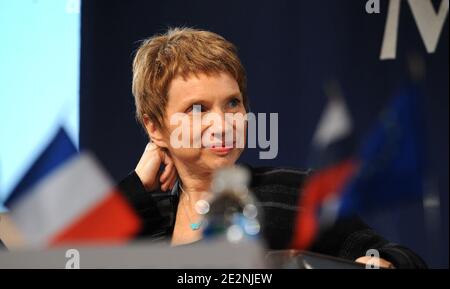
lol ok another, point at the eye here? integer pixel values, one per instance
(234, 102)
(196, 108)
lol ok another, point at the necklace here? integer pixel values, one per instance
(193, 225)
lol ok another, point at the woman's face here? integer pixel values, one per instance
(204, 97)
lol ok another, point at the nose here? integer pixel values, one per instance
(220, 128)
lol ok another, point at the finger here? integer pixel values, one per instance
(167, 184)
(165, 157)
(169, 165)
(172, 184)
(164, 187)
(166, 173)
(171, 179)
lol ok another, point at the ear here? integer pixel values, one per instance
(155, 134)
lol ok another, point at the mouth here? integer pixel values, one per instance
(221, 148)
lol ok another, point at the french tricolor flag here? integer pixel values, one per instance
(66, 198)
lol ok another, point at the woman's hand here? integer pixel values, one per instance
(148, 169)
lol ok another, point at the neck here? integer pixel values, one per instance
(195, 185)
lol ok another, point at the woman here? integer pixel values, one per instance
(186, 70)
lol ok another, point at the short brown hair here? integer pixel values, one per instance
(179, 51)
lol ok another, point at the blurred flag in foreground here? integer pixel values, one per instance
(387, 169)
(333, 140)
(66, 197)
(331, 156)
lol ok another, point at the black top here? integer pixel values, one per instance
(277, 192)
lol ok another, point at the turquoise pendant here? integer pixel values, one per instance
(195, 226)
